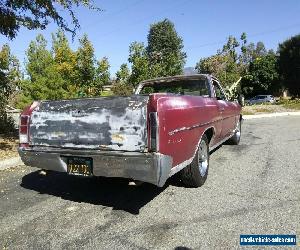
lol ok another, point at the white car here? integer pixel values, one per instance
(261, 99)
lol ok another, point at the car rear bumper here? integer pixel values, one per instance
(148, 167)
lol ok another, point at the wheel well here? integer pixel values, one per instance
(209, 134)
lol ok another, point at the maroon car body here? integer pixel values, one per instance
(165, 128)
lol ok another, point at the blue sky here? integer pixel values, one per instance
(203, 25)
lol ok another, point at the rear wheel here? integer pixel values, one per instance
(195, 174)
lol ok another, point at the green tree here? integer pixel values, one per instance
(233, 61)
(225, 65)
(38, 14)
(164, 50)
(102, 76)
(163, 55)
(10, 77)
(138, 58)
(85, 66)
(221, 65)
(123, 74)
(64, 60)
(263, 77)
(289, 64)
(44, 81)
(250, 52)
(123, 87)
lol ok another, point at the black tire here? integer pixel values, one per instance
(235, 139)
(195, 175)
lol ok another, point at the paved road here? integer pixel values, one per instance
(252, 188)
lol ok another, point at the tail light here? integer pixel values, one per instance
(24, 124)
(153, 133)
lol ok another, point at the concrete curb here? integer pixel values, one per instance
(248, 117)
(12, 162)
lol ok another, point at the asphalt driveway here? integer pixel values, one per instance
(251, 188)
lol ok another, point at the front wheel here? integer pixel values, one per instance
(195, 174)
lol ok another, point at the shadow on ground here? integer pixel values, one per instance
(110, 192)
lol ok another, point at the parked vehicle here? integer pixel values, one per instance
(259, 99)
(168, 126)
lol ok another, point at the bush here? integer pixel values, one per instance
(122, 89)
(7, 124)
(290, 103)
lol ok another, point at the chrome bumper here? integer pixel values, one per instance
(148, 167)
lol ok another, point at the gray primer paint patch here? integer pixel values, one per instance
(114, 123)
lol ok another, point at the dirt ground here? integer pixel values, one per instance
(8, 147)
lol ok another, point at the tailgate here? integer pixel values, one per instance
(111, 123)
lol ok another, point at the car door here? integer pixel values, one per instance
(226, 110)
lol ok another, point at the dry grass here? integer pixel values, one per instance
(8, 147)
(267, 108)
(290, 104)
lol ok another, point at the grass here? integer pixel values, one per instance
(280, 106)
(247, 112)
(290, 104)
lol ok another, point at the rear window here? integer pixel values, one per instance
(182, 87)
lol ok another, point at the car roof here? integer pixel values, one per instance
(263, 95)
(177, 78)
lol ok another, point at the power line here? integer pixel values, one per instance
(248, 36)
(139, 21)
(103, 19)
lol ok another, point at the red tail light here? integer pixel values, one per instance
(24, 124)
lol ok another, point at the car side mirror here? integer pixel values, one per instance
(241, 100)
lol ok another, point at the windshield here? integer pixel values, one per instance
(197, 87)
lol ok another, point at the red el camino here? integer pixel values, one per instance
(168, 126)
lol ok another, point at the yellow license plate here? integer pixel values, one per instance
(80, 166)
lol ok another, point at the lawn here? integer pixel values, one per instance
(280, 106)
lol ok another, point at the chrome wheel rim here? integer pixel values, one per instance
(203, 158)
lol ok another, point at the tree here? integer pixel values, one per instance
(164, 49)
(38, 58)
(64, 60)
(85, 66)
(10, 77)
(123, 87)
(250, 52)
(102, 76)
(44, 81)
(224, 65)
(263, 77)
(38, 14)
(140, 69)
(236, 59)
(123, 74)
(163, 55)
(289, 64)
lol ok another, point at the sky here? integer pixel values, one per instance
(203, 25)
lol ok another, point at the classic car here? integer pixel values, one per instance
(168, 126)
